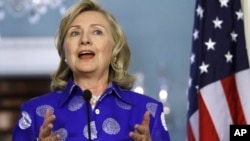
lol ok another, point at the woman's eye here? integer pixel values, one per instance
(74, 33)
(98, 32)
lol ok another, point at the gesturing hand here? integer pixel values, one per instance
(45, 133)
(142, 132)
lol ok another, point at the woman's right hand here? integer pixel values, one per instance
(46, 132)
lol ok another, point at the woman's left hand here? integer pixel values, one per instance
(142, 132)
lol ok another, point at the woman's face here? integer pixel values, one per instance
(88, 44)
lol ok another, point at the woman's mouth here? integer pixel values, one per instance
(86, 54)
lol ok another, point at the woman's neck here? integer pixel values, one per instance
(96, 86)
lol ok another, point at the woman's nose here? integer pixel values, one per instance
(85, 40)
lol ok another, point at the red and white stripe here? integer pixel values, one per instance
(221, 104)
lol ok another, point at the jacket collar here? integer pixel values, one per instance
(73, 89)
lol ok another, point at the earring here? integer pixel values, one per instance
(65, 60)
(115, 59)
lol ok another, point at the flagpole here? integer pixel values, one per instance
(246, 10)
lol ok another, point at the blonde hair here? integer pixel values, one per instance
(118, 70)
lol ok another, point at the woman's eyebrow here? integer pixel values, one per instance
(74, 26)
(92, 25)
(99, 25)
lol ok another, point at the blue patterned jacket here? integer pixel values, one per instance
(113, 117)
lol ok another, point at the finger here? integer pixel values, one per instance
(135, 136)
(46, 131)
(141, 129)
(48, 112)
(146, 119)
(48, 117)
(55, 138)
(47, 126)
(141, 132)
(144, 127)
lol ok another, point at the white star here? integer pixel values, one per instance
(196, 34)
(224, 3)
(192, 58)
(190, 82)
(239, 14)
(200, 11)
(217, 23)
(229, 57)
(197, 87)
(234, 36)
(204, 67)
(210, 44)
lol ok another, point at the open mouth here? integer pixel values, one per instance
(87, 54)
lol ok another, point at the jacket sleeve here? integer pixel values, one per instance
(159, 130)
(24, 129)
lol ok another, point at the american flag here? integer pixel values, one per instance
(219, 85)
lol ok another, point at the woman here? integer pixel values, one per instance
(94, 56)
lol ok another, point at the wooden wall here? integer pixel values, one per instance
(14, 90)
